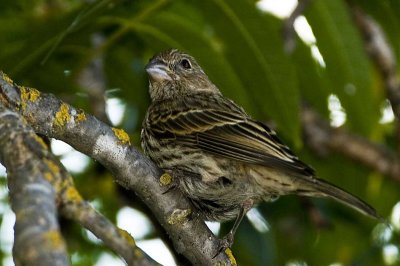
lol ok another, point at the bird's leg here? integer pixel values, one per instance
(227, 241)
(170, 188)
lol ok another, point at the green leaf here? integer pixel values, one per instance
(253, 247)
(252, 43)
(313, 81)
(347, 64)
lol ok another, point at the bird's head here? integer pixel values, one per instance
(174, 74)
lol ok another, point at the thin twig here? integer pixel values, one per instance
(288, 26)
(118, 240)
(382, 54)
(92, 81)
(383, 57)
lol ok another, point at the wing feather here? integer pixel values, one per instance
(224, 129)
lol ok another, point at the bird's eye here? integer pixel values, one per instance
(185, 64)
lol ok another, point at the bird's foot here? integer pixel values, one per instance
(224, 243)
(169, 189)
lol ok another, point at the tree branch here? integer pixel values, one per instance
(92, 81)
(37, 240)
(118, 240)
(381, 54)
(322, 138)
(111, 147)
(27, 152)
(288, 26)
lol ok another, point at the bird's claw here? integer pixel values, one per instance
(170, 188)
(224, 243)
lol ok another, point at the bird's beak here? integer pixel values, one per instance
(158, 71)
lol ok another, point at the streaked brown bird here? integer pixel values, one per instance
(224, 161)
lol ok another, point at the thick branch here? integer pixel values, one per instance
(34, 159)
(38, 240)
(321, 137)
(51, 117)
(72, 206)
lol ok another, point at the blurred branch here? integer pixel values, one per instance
(111, 147)
(382, 55)
(288, 26)
(322, 138)
(38, 240)
(92, 81)
(315, 215)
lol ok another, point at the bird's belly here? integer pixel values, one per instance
(219, 200)
(216, 186)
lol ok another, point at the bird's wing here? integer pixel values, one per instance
(225, 130)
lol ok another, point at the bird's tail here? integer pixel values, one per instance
(320, 188)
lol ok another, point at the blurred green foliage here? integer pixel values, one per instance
(47, 43)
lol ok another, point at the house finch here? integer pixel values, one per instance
(223, 160)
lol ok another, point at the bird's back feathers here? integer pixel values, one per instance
(218, 126)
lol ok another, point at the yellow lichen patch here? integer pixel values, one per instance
(179, 216)
(62, 116)
(49, 177)
(7, 79)
(21, 214)
(165, 179)
(138, 253)
(33, 94)
(72, 194)
(52, 175)
(80, 116)
(54, 168)
(127, 237)
(24, 98)
(232, 259)
(54, 240)
(121, 135)
(28, 94)
(41, 142)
